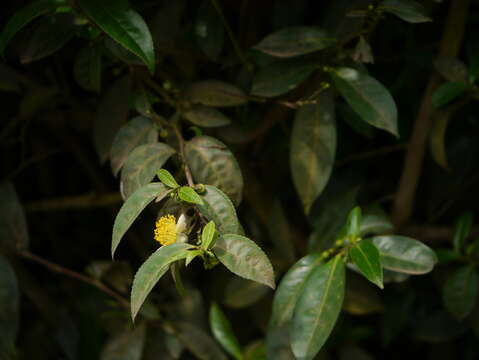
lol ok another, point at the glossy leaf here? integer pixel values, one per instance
(244, 258)
(407, 10)
(206, 116)
(460, 291)
(123, 25)
(13, 225)
(132, 207)
(208, 235)
(403, 254)
(318, 308)
(152, 270)
(189, 195)
(462, 228)
(142, 164)
(87, 68)
(375, 223)
(138, 131)
(366, 257)
(209, 30)
(215, 93)
(451, 68)
(198, 342)
(167, 179)
(211, 162)
(127, 345)
(9, 308)
(294, 41)
(241, 293)
(223, 332)
(353, 224)
(368, 98)
(447, 92)
(313, 149)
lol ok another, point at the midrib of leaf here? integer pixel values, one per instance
(207, 162)
(145, 163)
(366, 258)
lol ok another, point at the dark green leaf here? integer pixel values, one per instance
(209, 30)
(462, 228)
(447, 92)
(353, 224)
(223, 332)
(294, 41)
(281, 232)
(189, 195)
(205, 116)
(313, 148)
(208, 235)
(138, 131)
(403, 254)
(244, 258)
(167, 179)
(130, 210)
(9, 308)
(451, 68)
(123, 25)
(376, 223)
(460, 291)
(241, 293)
(215, 93)
(142, 164)
(407, 10)
(212, 163)
(127, 345)
(87, 68)
(318, 308)
(198, 342)
(152, 270)
(13, 225)
(368, 97)
(366, 257)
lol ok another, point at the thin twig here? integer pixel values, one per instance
(160, 91)
(181, 145)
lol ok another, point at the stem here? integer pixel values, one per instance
(160, 91)
(181, 145)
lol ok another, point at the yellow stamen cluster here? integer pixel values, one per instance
(165, 231)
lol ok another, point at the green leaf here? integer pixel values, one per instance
(132, 207)
(87, 68)
(462, 228)
(313, 148)
(13, 224)
(460, 291)
(136, 132)
(215, 93)
(241, 293)
(255, 351)
(281, 77)
(407, 10)
(451, 68)
(294, 41)
(368, 98)
(211, 162)
(23, 17)
(375, 223)
(208, 235)
(318, 308)
(206, 116)
(405, 255)
(123, 25)
(223, 332)
(9, 308)
(353, 224)
(366, 257)
(198, 342)
(447, 92)
(209, 30)
(189, 195)
(142, 164)
(278, 346)
(244, 258)
(126, 345)
(167, 179)
(152, 270)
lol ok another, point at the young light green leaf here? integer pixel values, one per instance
(206, 116)
(353, 224)
(223, 332)
(318, 308)
(136, 132)
(462, 228)
(313, 148)
(127, 345)
(368, 98)
(87, 68)
(405, 255)
(13, 224)
(366, 257)
(407, 10)
(123, 25)
(9, 307)
(215, 93)
(198, 342)
(447, 92)
(142, 164)
(208, 235)
(189, 195)
(244, 258)
(132, 207)
(211, 162)
(167, 179)
(152, 270)
(460, 291)
(295, 41)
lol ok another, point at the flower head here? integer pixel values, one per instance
(168, 231)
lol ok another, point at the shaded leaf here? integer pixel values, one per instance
(189, 195)
(281, 233)
(460, 291)
(244, 258)
(9, 308)
(198, 342)
(366, 257)
(223, 332)
(376, 223)
(255, 351)
(361, 297)
(407, 10)
(13, 225)
(462, 228)
(206, 116)
(451, 68)
(167, 179)
(278, 344)
(9, 80)
(215, 93)
(447, 92)
(127, 345)
(209, 30)
(87, 68)
(363, 52)
(241, 293)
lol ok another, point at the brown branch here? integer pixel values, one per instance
(450, 45)
(80, 202)
(181, 145)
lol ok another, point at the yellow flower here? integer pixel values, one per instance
(168, 231)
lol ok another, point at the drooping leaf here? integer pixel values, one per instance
(9, 308)
(189, 195)
(318, 308)
(87, 68)
(127, 345)
(211, 162)
(462, 228)
(132, 207)
(403, 254)
(366, 257)
(451, 68)
(152, 270)
(13, 225)
(209, 30)
(198, 342)
(294, 41)
(313, 149)
(244, 258)
(407, 10)
(460, 291)
(138, 131)
(368, 98)
(223, 332)
(215, 93)
(447, 92)
(142, 164)
(206, 116)
(167, 179)
(208, 235)
(123, 25)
